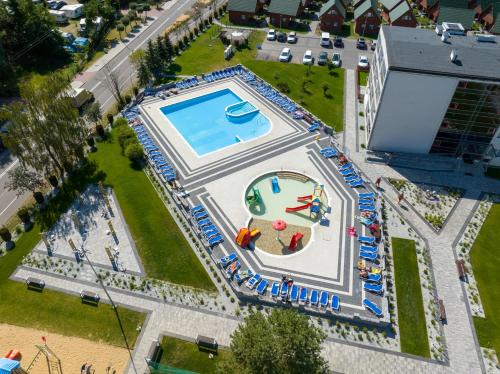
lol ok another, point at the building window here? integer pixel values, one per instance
(243, 17)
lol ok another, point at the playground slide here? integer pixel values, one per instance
(302, 198)
(275, 185)
(297, 208)
(240, 238)
(295, 240)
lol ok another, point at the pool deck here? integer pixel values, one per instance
(219, 181)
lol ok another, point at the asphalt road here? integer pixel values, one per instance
(349, 54)
(120, 64)
(9, 202)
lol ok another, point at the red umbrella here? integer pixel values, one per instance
(279, 225)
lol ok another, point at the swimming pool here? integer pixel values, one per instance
(203, 123)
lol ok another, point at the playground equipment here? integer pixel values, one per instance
(313, 202)
(14, 354)
(53, 362)
(275, 185)
(295, 240)
(245, 236)
(255, 198)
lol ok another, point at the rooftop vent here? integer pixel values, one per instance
(486, 38)
(454, 55)
(445, 36)
(453, 28)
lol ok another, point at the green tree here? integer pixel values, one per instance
(169, 48)
(153, 60)
(23, 180)
(146, 8)
(137, 57)
(133, 151)
(120, 28)
(282, 342)
(126, 22)
(161, 51)
(143, 75)
(93, 113)
(140, 9)
(46, 132)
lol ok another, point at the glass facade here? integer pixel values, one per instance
(471, 121)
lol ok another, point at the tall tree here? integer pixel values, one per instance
(46, 131)
(153, 60)
(143, 74)
(282, 342)
(161, 50)
(22, 180)
(168, 47)
(112, 83)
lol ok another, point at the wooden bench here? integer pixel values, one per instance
(35, 283)
(442, 311)
(462, 271)
(89, 297)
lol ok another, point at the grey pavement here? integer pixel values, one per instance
(9, 201)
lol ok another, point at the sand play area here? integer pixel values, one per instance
(267, 242)
(73, 352)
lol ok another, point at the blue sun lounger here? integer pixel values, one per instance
(261, 288)
(239, 277)
(314, 297)
(351, 178)
(356, 184)
(197, 208)
(230, 270)
(367, 208)
(215, 240)
(374, 277)
(335, 303)
(329, 154)
(368, 248)
(211, 234)
(303, 295)
(366, 201)
(284, 291)
(366, 195)
(368, 256)
(372, 307)
(371, 287)
(367, 239)
(327, 150)
(204, 222)
(198, 216)
(294, 293)
(345, 166)
(224, 261)
(347, 172)
(209, 228)
(275, 289)
(323, 299)
(252, 282)
(313, 127)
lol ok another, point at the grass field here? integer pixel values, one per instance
(411, 317)
(363, 78)
(164, 251)
(185, 355)
(306, 85)
(485, 261)
(52, 310)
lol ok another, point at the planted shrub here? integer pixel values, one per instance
(109, 116)
(53, 181)
(185, 40)
(134, 151)
(5, 234)
(119, 122)
(24, 215)
(128, 99)
(91, 142)
(283, 87)
(191, 35)
(136, 91)
(100, 130)
(38, 197)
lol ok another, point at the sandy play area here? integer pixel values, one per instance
(73, 352)
(267, 242)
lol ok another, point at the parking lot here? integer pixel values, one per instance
(270, 50)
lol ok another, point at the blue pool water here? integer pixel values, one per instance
(203, 123)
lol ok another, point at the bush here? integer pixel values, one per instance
(134, 151)
(91, 142)
(180, 46)
(100, 130)
(5, 234)
(120, 121)
(125, 133)
(24, 215)
(185, 40)
(283, 87)
(109, 116)
(136, 90)
(191, 35)
(53, 181)
(210, 19)
(128, 99)
(196, 31)
(39, 197)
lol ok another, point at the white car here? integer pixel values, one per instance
(325, 39)
(271, 34)
(292, 37)
(336, 60)
(363, 61)
(308, 58)
(285, 55)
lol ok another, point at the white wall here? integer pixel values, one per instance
(410, 112)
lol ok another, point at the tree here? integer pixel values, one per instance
(169, 48)
(146, 8)
(24, 215)
(5, 234)
(153, 60)
(46, 131)
(93, 113)
(137, 57)
(126, 22)
(112, 84)
(120, 28)
(132, 15)
(282, 342)
(140, 9)
(22, 180)
(143, 75)
(134, 151)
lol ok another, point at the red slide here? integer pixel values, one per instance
(302, 198)
(297, 208)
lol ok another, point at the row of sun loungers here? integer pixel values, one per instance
(350, 175)
(221, 74)
(209, 231)
(155, 157)
(187, 83)
(274, 96)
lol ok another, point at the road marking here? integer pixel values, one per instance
(8, 206)
(10, 167)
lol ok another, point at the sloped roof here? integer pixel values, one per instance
(496, 13)
(363, 7)
(242, 5)
(398, 11)
(329, 4)
(390, 4)
(455, 11)
(286, 7)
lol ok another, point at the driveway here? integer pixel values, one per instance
(271, 50)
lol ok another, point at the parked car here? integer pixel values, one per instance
(361, 43)
(281, 37)
(336, 60)
(363, 62)
(271, 34)
(322, 58)
(338, 42)
(292, 37)
(373, 45)
(325, 39)
(285, 55)
(308, 58)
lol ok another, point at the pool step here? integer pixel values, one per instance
(292, 175)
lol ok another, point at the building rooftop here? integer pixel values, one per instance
(390, 4)
(242, 5)
(285, 7)
(329, 4)
(362, 8)
(421, 50)
(456, 11)
(399, 11)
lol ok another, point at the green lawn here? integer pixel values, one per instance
(363, 78)
(164, 251)
(411, 317)
(306, 90)
(485, 261)
(185, 355)
(54, 311)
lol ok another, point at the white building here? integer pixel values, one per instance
(73, 11)
(429, 95)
